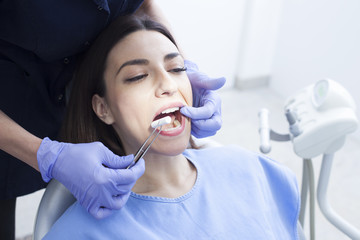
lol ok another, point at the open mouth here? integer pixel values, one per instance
(174, 114)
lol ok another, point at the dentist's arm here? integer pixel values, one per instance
(18, 142)
(92, 173)
(206, 112)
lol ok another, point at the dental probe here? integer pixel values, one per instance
(143, 149)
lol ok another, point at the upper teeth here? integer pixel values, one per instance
(169, 110)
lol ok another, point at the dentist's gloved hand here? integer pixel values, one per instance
(91, 172)
(206, 113)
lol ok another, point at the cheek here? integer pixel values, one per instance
(125, 110)
(126, 100)
(186, 91)
(129, 109)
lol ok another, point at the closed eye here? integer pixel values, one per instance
(177, 70)
(136, 78)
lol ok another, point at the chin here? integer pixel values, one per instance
(171, 148)
(176, 150)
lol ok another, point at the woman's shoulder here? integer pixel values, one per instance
(234, 158)
(232, 153)
(261, 176)
(213, 149)
(74, 223)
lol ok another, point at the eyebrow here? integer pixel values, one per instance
(171, 56)
(167, 57)
(133, 62)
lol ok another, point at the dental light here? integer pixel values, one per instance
(319, 116)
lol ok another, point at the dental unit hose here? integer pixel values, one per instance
(324, 205)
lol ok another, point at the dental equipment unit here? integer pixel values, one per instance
(319, 116)
(144, 148)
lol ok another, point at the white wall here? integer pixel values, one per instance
(231, 38)
(260, 30)
(209, 32)
(318, 39)
(292, 42)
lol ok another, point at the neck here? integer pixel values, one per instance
(166, 176)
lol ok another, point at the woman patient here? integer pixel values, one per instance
(133, 75)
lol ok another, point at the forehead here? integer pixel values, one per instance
(141, 44)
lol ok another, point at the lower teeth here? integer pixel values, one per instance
(176, 123)
(172, 126)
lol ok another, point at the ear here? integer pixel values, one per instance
(102, 110)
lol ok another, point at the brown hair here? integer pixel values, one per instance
(81, 123)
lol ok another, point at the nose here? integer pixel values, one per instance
(167, 86)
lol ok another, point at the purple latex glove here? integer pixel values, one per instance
(91, 172)
(206, 111)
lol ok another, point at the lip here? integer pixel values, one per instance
(177, 131)
(170, 105)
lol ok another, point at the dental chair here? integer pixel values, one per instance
(57, 199)
(54, 203)
(320, 116)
